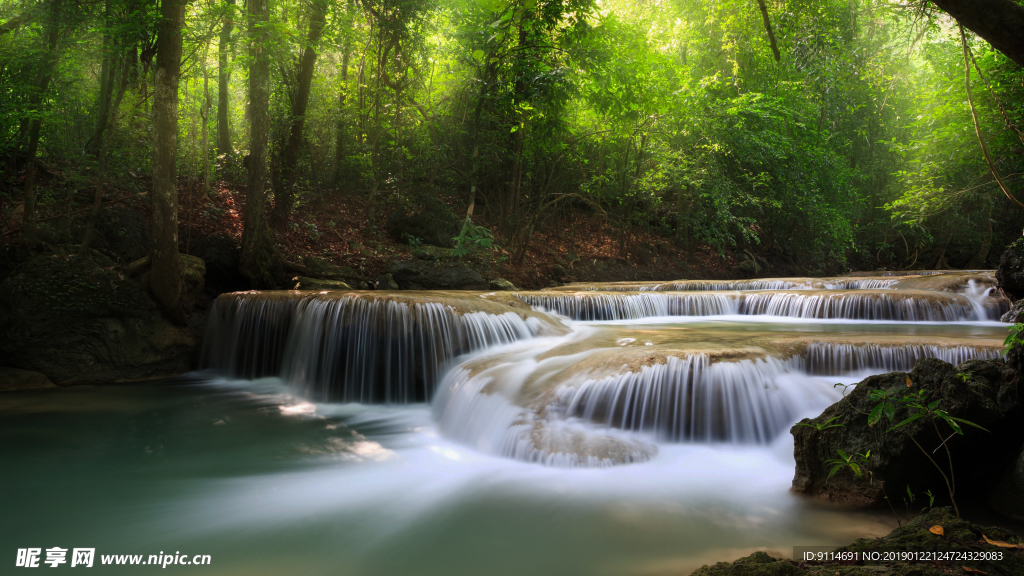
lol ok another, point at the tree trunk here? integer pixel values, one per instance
(1000, 22)
(284, 191)
(341, 147)
(166, 273)
(223, 81)
(768, 28)
(52, 36)
(261, 262)
(101, 158)
(106, 82)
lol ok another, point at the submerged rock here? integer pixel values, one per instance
(915, 536)
(982, 391)
(422, 275)
(303, 283)
(1010, 274)
(79, 323)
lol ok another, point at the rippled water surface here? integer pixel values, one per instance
(267, 483)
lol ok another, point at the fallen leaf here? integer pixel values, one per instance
(1001, 544)
(909, 383)
(936, 530)
(974, 570)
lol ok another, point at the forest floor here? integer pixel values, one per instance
(576, 247)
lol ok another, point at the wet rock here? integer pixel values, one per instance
(17, 379)
(982, 391)
(80, 323)
(123, 232)
(221, 256)
(304, 283)
(501, 284)
(958, 536)
(1010, 274)
(422, 275)
(1015, 314)
(386, 282)
(430, 223)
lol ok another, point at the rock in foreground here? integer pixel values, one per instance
(982, 391)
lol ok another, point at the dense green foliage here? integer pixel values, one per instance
(856, 147)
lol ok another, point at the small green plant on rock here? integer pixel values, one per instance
(919, 408)
(1014, 339)
(855, 462)
(472, 239)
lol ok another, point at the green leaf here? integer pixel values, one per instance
(875, 415)
(907, 421)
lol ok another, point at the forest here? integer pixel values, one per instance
(542, 137)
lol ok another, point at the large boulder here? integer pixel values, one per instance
(122, 231)
(982, 391)
(423, 275)
(1010, 274)
(80, 323)
(1015, 314)
(16, 379)
(430, 223)
(222, 257)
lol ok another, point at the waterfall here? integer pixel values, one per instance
(690, 399)
(832, 358)
(351, 347)
(866, 305)
(855, 305)
(534, 407)
(592, 306)
(759, 284)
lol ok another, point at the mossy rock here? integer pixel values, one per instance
(501, 284)
(430, 221)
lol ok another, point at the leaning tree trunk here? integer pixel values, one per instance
(223, 81)
(284, 191)
(28, 231)
(166, 272)
(261, 262)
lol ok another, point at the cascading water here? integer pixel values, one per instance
(590, 394)
(838, 304)
(351, 348)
